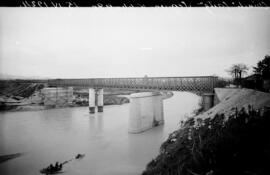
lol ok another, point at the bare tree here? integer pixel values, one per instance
(242, 69)
(233, 71)
(237, 71)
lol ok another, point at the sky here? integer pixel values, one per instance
(131, 42)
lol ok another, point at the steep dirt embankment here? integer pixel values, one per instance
(230, 99)
(227, 139)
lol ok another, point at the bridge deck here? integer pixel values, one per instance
(197, 84)
(193, 84)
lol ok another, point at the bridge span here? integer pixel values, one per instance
(203, 85)
(194, 84)
(146, 109)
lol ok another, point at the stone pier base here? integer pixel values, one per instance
(92, 110)
(100, 108)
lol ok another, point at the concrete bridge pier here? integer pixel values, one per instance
(207, 101)
(92, 99)
(146, 111)
(100, 100)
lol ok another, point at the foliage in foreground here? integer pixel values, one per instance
(241, 145)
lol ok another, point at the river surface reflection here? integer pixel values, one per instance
(48, 136)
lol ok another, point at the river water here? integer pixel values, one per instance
(48, 136)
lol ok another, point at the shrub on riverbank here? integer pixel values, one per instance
(240, 145)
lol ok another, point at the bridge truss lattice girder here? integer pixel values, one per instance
(193, 84)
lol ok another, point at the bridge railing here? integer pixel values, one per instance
(199, 83)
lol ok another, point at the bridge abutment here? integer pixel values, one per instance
(208, 101)
(146, 111)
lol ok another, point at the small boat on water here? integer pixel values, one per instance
(52, 169)
(58, 167)
(49, 171)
